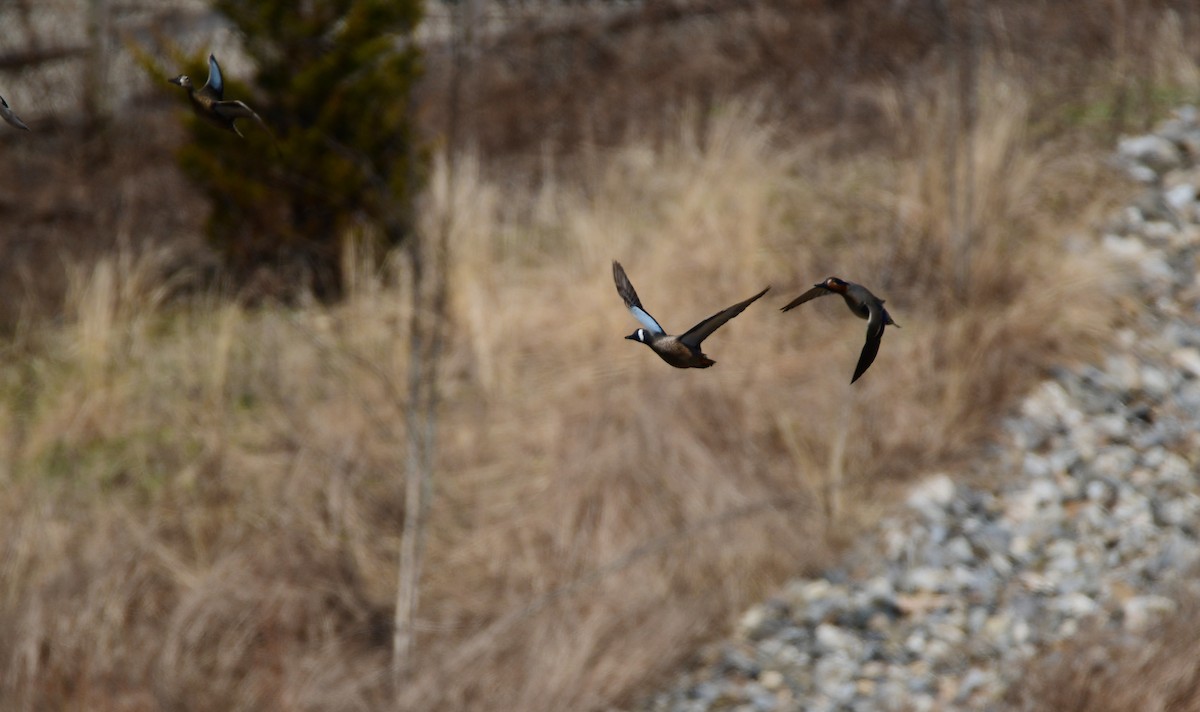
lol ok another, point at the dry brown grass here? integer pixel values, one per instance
(201, 503)
(1113, 671)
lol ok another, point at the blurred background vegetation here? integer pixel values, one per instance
(334, 81)
(533, 87)
(204, 474)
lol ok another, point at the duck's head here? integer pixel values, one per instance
(182, 80)
(834, 284)
(639, 335)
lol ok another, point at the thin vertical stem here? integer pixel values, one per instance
(426, 338)
(968, 100)
(415, 476)
(836, 482)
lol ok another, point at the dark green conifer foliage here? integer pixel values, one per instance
(334, 79)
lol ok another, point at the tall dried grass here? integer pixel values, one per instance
(1107, 670)
(201, 504)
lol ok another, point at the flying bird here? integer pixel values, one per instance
(10, 116)
(864, 305)
(680, 351)
(208, 101)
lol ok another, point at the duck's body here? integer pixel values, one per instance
(681, 351)
(865, 305)
(208, 101)
(10, 116)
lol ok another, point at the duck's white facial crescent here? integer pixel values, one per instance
(641, 335)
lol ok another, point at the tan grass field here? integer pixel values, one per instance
(201, 503)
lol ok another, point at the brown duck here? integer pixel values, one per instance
(680, 351)
(864, 305)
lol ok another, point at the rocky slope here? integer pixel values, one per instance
(1094, 520)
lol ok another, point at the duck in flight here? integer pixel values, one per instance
(864, 305)
(208, 101)
(10, 116)
(680, 351)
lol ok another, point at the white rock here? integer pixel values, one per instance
(1141, 612)
(1020, 632)
(1142, 174)
(751, 620)
(1188, 359)
(926, 579)
(1174, 468)
(1181, 196)
(1124, 370)
(1076, 605)
(1114, 462)
(832, 639)
(1047, 403)
(931, 496)
(802, 591)
(1181, 511)
(771, 679)
(1020, 546)
(1098, 491)
(1044, 492)
(1035, 465)
(1156, 268)
(916, 641)
(938, 651)
(1154, 381)
(1160, 231)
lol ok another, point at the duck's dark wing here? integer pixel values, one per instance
(215, 86)
(875, 324)
(693, 336)
(231, 110)
(11, 117)
(630, 297)
(234, 110)
(817, 291)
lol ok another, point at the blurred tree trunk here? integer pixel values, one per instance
(428, 253)
(961, 35)
(97, 109)
(968, 102)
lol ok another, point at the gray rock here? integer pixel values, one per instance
(1155, 152)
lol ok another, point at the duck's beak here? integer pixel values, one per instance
(175, 81)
